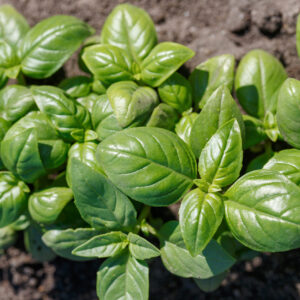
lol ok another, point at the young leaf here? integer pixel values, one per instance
(177, 259)
(219, 109)
(254, 131)
(104, 245)
(163, 61)
(200, 215)
(99, 202)
(263, 211)
(123, 277)
(13, 198)
(163, 116)
(46, 205)
(131, 103)
(62, 111)
(15, 102)
(108, 63)
(210, 284)
(141, 248)
(210, 75)
(184, 126)
(131, 29)
(77, 86)
(7, 237)
(63, 242)
(258, 79)
(151, 165)
(88, 101)
(177, 92)
(286, 162)
(50, 43)
(35, 245)
(4, 126)
(288, 112)
(221, 159)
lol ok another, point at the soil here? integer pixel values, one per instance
(210, 28)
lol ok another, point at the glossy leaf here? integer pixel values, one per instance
(32, 146)
(123, 277)
(140, 248)
(219, 109)
(63, 242)
(7, 237)
(9, 60)
(99, 202)
(103, 118)
(104, 245)
(258, 79)
(176, 258)
(35, 245)
(131, 29)
(176, 91)
(163, 116)
(108, 63)
(62, 111)
(288, 112)
(163, 61)
(221, 159)
(151, 165)
(184, 127)
(254, 131)
(210, 75)
(15, 102)
(286, 162)
(77, 86)
(45, 206)
(50, 43)
(200, 215)
(13, 198)
(132, 104)
(4, 126)
(88, 101)
(263, 211)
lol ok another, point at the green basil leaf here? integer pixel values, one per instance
(177, 259)
(77, 86)
(258, 79)
(8, 59)
(131, 29)
(47, 45)
(200, 215)
(177, 92)
(62, 111)
(210, 75)
(7, 237)
(88, 101)
(63, 242)
(163, 61)
(254, 131)
(98, 87)
(219, 109)
(150, 165)
(140, 248)
(163, 116)
(286, 162)
(13, 198)
(221, 159)
(131, 103)
(32, 146)
(108, 63)
(3, 78)
(15, 102)
(263, 211)
(4, 126)
(35, 245)
(13, 25)
(21, 223)
(184, 126)
(103, 118)
(210, 284)
(99, 202)
(104, 245)
(288, 112)
(46, 205)
(259, 161)
(123, 276)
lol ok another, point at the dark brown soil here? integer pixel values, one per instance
(210, 27)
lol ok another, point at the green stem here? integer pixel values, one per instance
(268, 147)
(21, 79)
(144, 213)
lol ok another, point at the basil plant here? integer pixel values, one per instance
(83, 161)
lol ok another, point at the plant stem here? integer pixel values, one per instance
(21, 79)
(144, 213)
